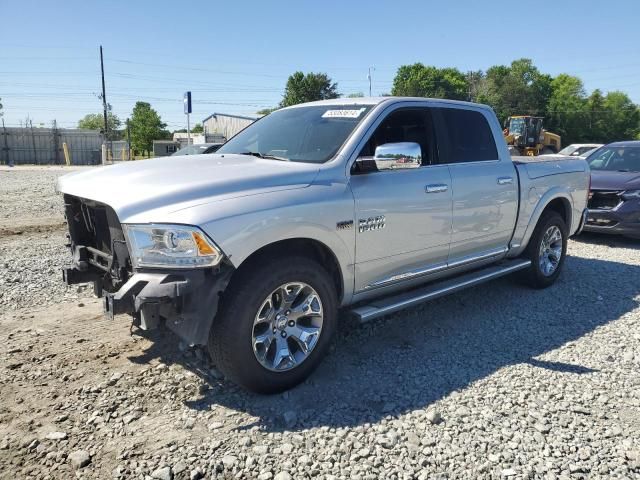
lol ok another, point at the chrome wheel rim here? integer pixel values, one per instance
(287, 326)
(550, 251)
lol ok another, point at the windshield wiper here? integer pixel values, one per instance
(261, 155)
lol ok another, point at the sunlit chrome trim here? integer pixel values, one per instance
(433, 269)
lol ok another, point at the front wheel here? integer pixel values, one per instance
(275, 324)
(547, 250)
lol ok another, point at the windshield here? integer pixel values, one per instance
(192, 150)
(516, 126)
(303, 134)
(621, 159)
(575, 151)
(568, 150)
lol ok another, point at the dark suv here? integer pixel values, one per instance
(614, 201)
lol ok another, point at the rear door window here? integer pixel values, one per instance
(464, 136)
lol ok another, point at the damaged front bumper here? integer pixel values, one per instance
(185, 300)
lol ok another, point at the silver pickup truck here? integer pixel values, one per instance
(370, 205)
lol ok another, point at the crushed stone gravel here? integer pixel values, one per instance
(495, 382)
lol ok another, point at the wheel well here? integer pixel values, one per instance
(306, 247)
(562, 207)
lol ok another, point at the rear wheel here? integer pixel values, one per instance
(275, 324)
(547, 250)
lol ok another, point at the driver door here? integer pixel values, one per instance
(409, 209)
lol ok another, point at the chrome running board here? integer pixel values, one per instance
(387, 305)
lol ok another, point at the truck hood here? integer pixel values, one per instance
(142, 191)
(612, 180)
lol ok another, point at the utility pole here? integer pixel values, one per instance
(370, 78)
(56, 148)
(104, 96)
(187, 111)
(128, 140)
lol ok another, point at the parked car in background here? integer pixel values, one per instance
(198, 149)
(376, 204)
(614, 201)
(578, 149)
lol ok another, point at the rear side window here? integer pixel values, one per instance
(464, 136)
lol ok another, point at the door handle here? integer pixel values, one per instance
(436, 188)
(505, 180)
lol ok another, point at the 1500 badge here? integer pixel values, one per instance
(371, 223)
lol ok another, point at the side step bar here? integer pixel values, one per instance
(387, 305)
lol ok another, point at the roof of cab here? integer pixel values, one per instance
(379, 100)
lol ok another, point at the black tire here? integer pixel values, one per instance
(534, 275)
(547, 151)
(231, 335)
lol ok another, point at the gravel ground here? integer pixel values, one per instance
(496, 382)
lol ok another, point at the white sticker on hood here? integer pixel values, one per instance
(343, 113)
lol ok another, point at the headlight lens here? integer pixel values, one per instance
(174, 246)
(629, 194)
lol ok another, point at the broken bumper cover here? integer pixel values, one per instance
(187, 301)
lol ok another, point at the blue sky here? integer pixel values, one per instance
(236, 56)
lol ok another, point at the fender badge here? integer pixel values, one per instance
(344, 225)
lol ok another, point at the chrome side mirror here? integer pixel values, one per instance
(397, 156)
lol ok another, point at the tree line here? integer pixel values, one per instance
(145, 125)
(515, 89)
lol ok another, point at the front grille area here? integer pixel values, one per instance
(604, 200)
(97, 241)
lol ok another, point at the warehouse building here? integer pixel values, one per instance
(225, 125)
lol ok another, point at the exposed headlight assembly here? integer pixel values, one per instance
(629, 194)
(172, 246)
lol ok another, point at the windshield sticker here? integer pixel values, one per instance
(343, 113)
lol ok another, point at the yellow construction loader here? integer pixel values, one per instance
(525, 135)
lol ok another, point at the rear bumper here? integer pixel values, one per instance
(186, 301)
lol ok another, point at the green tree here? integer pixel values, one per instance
(518, 89)
(146, 126)
(198, 128)
(418, 80)
(620, 118)
(1, 107)
(356, 95)
(567, 109)
(266, 111)
(95, 121)
(302, 88)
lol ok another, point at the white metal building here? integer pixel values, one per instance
(226, 125)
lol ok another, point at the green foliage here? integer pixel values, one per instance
(198, 128)
(418, 80)
(266, 111)
(518, 89)
(302, 88)
(619, 119)
(146, 126)
(521, 89)
(95, 121)
(566, 110)
(1, 107)
(356, 95)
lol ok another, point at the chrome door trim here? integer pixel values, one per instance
(481, 256)
(505, 180)
(436, 188)
(406, 276)
(423, 271)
